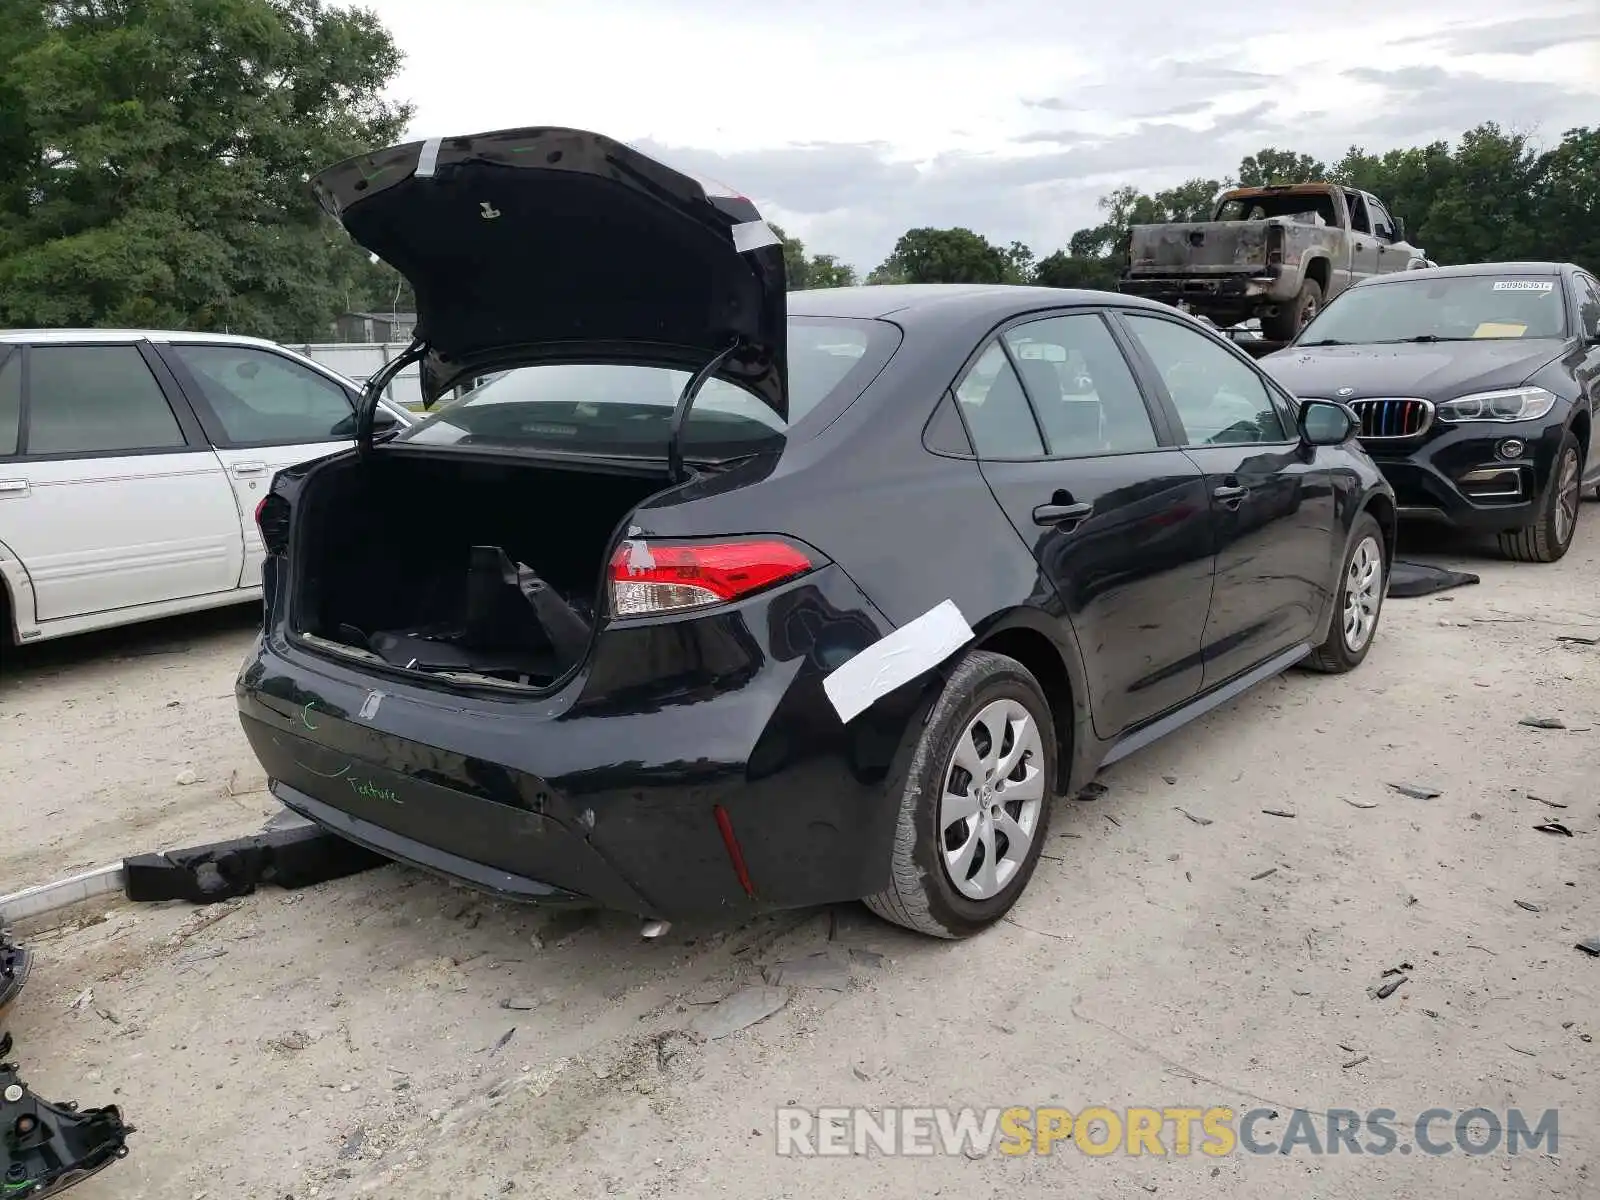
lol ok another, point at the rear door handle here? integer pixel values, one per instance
(13, 487)
(1061, 514)
(249, 468)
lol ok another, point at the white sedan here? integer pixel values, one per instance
(131, 464)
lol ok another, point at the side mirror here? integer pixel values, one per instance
(382, 421)
(1326, 423)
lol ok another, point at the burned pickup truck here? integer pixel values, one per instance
(1273, 253)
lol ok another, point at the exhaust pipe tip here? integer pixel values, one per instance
(651, 930)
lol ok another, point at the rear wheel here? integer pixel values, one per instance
(1291, 318)
(1549, 536)
(976, 805)
(1362, 584)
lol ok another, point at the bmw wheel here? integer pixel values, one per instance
(976, 804)
(1363, 583)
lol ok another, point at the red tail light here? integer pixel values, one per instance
(272, 518)
(664, 577)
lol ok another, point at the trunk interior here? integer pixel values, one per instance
(463, 568)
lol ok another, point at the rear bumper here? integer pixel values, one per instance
(1236, 289)
(607, 793)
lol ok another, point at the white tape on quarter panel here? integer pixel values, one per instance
(915, 647)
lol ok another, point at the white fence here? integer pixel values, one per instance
(361, 360)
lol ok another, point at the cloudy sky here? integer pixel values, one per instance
(850, 122)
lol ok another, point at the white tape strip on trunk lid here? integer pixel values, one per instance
(428, 160)
(915, 647)
(752, 235)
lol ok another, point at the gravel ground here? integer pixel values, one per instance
(391, 1035)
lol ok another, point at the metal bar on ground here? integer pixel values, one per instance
(64, 893)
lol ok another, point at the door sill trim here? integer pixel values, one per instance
(1145, 735)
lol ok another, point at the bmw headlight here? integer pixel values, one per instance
(1508, 404)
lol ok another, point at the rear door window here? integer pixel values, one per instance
(996, 409)
(96, 400)
(258, 398)
(10, 402)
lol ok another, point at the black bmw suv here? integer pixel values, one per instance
(1476, 386)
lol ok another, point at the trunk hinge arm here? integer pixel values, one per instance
(372, 390)
(680, 411)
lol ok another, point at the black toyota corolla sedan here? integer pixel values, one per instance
(1476, 386)
(715, 599)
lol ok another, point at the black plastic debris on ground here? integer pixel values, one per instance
(1408, 580)
(289, 858)
(15, 963)
(1591, 946)
(48, 1148)
(1555, 827)
(1542, 723)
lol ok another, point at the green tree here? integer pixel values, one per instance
(154, 157)
(1279, 166)
(1019, 266)
(826, 271)
(1065, 270)
(804, 272)
(1485, 209)
(1567, 199)
(945, 256)
(888, 271)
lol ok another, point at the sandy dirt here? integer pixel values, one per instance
(391, 1035)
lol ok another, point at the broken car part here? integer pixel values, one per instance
(696, 752)
(15, 964)
(290, 858)
(47, 1148)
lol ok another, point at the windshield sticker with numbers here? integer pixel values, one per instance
(1523, 285)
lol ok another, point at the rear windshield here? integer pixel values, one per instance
(1448, 308)
(1280, 204)
(624, 411)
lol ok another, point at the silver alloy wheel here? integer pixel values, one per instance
(1363, 593)
(993, 796)
(1568, 496)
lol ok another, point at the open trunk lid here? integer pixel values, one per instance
(557, 245)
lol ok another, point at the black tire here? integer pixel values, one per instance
(1291, 318)
(1542, 541)
(1336, 655)
(921, 894)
